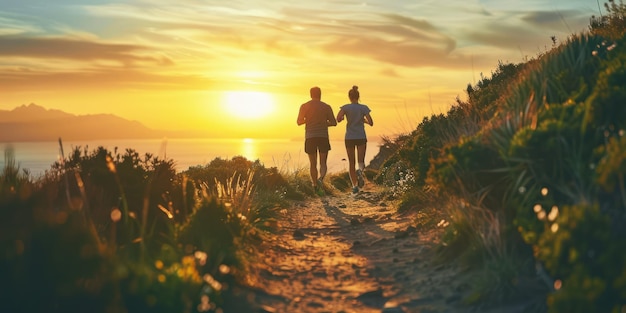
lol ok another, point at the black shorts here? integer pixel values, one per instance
(351, 143)
(312, 145)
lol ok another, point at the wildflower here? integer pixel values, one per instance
(116, 215)
(541, 215)
(158, 264)
(554, 212)
(554, 228)
(110, 164)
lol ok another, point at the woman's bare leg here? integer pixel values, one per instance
(351, 165)
(361, 155)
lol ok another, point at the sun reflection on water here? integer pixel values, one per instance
(248, 149)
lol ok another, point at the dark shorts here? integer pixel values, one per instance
(351, 143)
(312, 145)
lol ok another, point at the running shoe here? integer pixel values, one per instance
(355, 189)
(320, 191)
(359, 178)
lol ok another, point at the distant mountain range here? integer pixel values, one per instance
(36, 123)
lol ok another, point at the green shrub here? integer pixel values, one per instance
(210, 229)
(52, 262)
(581, 251)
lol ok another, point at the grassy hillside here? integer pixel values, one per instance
(532, 169)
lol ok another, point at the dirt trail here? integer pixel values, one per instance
(349, 253)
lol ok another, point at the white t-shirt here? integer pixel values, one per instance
(355, 113)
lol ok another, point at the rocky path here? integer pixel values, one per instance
(349, 253)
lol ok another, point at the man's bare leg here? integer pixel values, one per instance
(323, 165)
(313, 167)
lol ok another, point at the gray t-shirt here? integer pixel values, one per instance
(316, 114)
(355, 126)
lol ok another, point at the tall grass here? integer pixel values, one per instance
(110, 232)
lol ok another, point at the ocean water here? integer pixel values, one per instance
(284, 154)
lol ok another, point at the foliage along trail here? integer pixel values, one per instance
(348, 253)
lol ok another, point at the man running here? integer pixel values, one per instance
(317, 116)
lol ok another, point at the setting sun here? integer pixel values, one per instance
(249, 104)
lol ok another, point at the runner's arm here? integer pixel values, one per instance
(330, 119)
(301, 119)
(369, 120)
(341, 115)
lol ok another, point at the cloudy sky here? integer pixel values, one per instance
(241, 68)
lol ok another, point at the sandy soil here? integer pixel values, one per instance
(348, 253)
